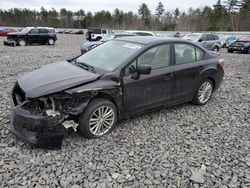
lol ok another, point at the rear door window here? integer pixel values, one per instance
(209, 37)
(43, 31)
(34, 31)
(186, 53)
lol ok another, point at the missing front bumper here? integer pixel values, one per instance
(9, 43)
(41, 131)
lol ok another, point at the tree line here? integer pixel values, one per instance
(229, 15)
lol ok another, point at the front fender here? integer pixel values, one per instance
(108, 89)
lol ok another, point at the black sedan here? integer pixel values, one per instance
(118, 79)
(241, 45)
(87, 46)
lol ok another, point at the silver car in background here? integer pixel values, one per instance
(209, 41)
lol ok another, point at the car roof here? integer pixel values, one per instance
(149, 39)
(124, 34)
(97, 28)
(139, 31)
(193, 33)
(40, 27)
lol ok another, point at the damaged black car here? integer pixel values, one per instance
(118, 79)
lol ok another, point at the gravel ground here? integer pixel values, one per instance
(181, 146)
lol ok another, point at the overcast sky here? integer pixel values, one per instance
(96, 5)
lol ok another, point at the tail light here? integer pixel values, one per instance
(221, 63)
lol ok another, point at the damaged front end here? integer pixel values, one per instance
(43, 121)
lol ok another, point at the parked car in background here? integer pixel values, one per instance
(240, 45)
(68, 31)
(227, 40)
(87, 46)
(96, 34)
(31, 35)
(5, 31)
(141, 33)
(78, 32)
(60, 31)
(209, 41)
(118, 79)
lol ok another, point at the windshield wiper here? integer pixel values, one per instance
(85, 66)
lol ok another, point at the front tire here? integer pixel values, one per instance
(246, 51)
(51, 41)
(216, 49)
(203, 93)
(22, 42)
(98, 119)
(230, 51)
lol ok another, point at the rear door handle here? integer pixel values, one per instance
(168, 76)
(200, 68)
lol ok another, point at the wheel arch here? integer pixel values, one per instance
(22, 38)
(108, 97)
(213, 81)
(216, 46)
(98, 38)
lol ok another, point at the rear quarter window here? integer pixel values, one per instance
(199, 54)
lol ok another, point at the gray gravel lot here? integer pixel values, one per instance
(181, 146)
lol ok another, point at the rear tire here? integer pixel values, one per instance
(203, 93)
(22, 42)
(230, 51)
(98, 119)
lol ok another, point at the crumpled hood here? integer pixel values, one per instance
(53, 78)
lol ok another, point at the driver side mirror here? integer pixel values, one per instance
(200, 40)
(141, 69)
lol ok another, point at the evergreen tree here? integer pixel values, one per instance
(144, 12)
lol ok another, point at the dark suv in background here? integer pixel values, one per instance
(30, 35)
(209, 41)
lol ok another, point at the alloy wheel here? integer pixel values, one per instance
(205, 92)
(101, 120)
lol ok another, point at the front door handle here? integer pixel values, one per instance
(168, 76)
